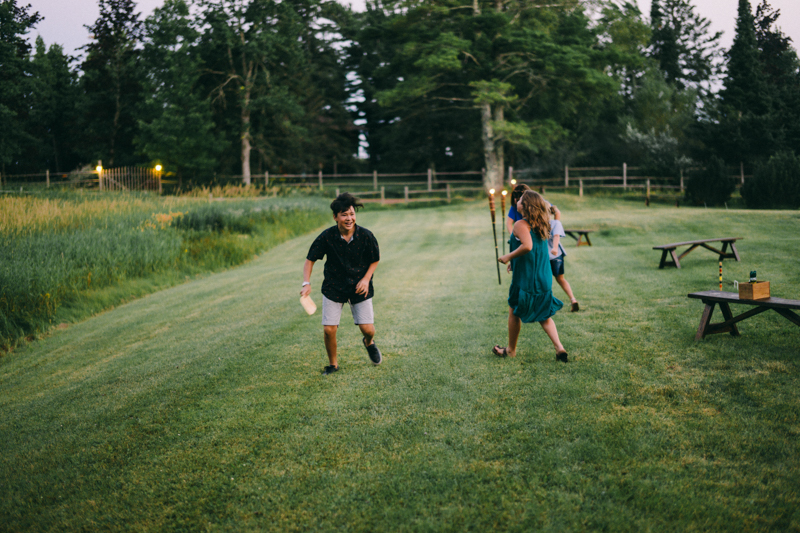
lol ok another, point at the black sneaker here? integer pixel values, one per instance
(329, 370)
(562, 357)
(373, 352)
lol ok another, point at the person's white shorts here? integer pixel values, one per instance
(332, 312)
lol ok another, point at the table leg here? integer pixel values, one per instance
(735, 252)
(704, 321)
(588, 242)
(726, 312)
(789, 315)
(675, 258)
(663, 258)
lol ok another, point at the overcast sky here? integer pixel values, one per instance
(64, 20)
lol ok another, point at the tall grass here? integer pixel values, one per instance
(54, 249)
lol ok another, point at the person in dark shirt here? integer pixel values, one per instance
(352, 257)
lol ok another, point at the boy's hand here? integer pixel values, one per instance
(306, 290)
(363, 287)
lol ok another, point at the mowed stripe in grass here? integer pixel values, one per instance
(202, 406)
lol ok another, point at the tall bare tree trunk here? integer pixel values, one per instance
(246, 138)
(499, 118)
(492, 179)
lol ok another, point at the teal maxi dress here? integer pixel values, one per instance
(531, 294)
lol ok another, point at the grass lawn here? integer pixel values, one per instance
(202, 407)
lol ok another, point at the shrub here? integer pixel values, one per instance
(775, 183)
(710, 185)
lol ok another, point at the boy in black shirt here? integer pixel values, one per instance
(353, 256)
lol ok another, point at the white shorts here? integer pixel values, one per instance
(332, 312)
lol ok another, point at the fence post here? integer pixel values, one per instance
(405, 192)
(648, 187)
(510, 174)
(320, 179)
(566, 176)
(337, 192)
(266, 179)
(430, 179)
(580, 188)
(624, 176)
(48, 178)
(383, 195)
(741, 170)
(448, 193)
(100, 176)
(375, 180)
(681, 181)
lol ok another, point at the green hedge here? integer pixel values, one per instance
(775, 184)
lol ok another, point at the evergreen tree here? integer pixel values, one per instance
(15, 81)
(112, 83)
(745, 131)
(780, 70)
(682, 44)
(53, 116)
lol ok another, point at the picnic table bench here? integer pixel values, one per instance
(724, 299)
(581, 233)
(676, 259)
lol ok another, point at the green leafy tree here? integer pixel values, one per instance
(179, 130)
(528, 71)
(15, 84)
(112, 84)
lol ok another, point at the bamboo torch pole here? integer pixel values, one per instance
(494, 232)
(503, 217)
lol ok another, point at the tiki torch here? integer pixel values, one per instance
(494, 232)
(502, 217)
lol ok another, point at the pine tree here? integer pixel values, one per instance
(15, 84)
(112, 83)
(682, 44)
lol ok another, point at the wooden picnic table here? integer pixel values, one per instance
(725, 299)
(581, 233)
(669, 249)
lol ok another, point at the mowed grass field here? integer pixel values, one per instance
(202, 407)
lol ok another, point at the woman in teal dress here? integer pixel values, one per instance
(530, 298)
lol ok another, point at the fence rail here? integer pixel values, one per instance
(372, 184)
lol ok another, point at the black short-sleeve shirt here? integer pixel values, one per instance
(347, 262)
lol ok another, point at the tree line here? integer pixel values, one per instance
(242, 87)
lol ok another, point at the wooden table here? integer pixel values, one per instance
(581, 233)
(723, 254)
(725, 299)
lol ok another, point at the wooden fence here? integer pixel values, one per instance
(438, 184)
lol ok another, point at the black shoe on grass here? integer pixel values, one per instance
(562, 357)
(373, 352)
(330, 370)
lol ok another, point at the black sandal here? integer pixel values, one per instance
(500, 351)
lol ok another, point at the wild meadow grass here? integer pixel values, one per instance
(202, 407)
(55, 252)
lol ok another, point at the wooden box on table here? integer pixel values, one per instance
(754, 291)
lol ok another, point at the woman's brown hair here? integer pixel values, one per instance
(536, 212)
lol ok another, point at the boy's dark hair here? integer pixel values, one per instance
(517, 193)
(344, 202)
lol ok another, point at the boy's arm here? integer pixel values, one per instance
(307, 268)
(556, 212)
(556, 239)
(363, 286)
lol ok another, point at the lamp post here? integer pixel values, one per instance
(502, 217)
(494, 232)
(158, 176)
